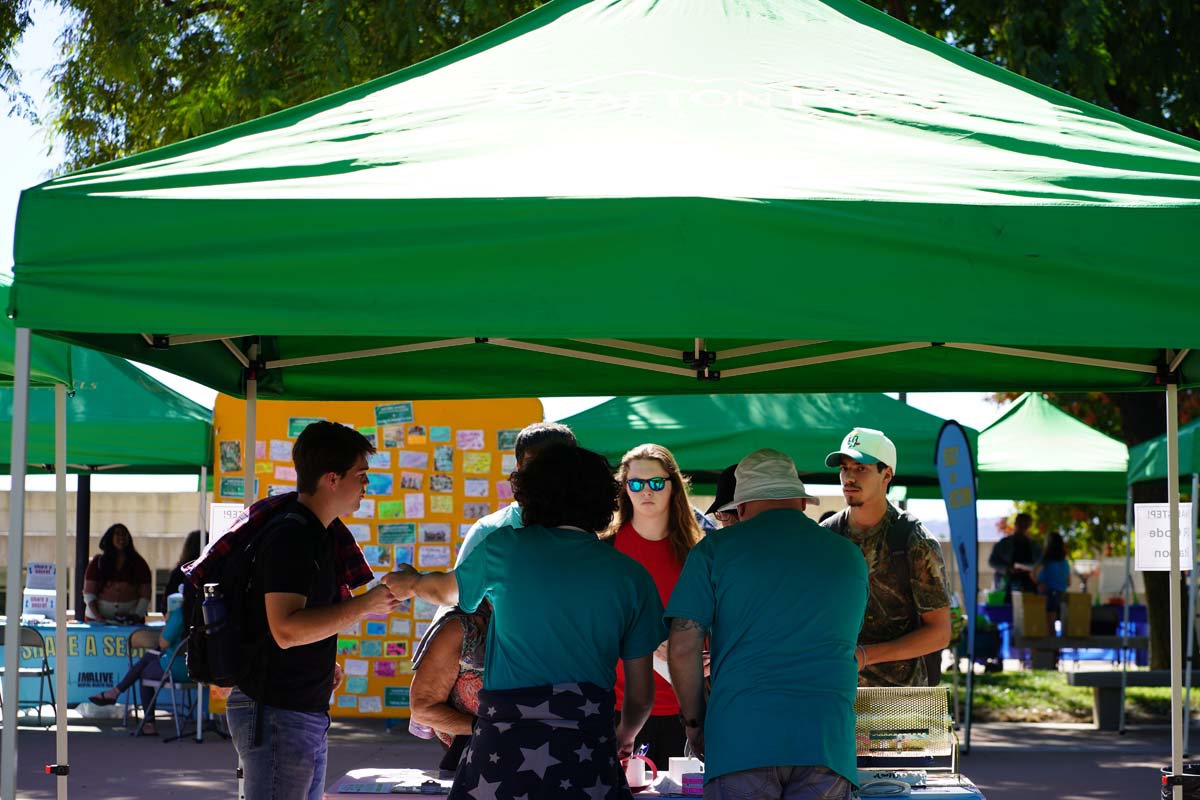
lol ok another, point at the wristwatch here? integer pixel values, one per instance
(690, 723)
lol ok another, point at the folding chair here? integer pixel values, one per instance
(147, 639)
(139, 642)
(32, 638)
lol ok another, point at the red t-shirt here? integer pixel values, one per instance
(659, 560)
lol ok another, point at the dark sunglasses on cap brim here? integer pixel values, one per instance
(655, 484)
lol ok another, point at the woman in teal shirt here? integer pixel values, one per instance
(566, 607)
(152, 666)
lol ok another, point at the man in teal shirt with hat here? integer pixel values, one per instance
(783, 600)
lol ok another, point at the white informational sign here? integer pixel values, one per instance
(38, 602)
(40, 575)
(1152, 535)
(221, 517)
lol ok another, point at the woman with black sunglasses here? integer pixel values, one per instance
(655, 526)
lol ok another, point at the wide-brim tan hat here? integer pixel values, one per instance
(767, 475)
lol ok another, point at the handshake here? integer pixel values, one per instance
(392, 589)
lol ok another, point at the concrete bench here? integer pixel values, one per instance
(1106, 690)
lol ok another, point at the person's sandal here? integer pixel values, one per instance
(102, 700)
(149, 729)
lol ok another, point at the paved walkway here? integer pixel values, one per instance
(1009, 761)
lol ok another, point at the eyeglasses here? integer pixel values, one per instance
(655, 484)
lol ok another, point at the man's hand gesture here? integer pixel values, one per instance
(403, 582)
(380, 600)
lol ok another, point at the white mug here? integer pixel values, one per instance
(635, 772)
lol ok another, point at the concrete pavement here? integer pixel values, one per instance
(1008, 761)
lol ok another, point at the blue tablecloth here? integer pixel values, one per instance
(97, 657)
(1002, 618)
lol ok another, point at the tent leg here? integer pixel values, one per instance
(1127, 595)
(16, 564)
(1191, 620)
(203, 526)
(248, 455)
(248, 495)
(1173, 586)
(83, 536)
(60, 557)
(201, 689)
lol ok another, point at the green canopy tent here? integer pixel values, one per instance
(534, 213)
(121, 420)
(1148, 460)
(707, 433)
(1036, 451)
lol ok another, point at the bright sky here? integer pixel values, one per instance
(29, 159)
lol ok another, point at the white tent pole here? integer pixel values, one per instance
(1173, 586)
(203, 527)
(248, 496)
(201, 689)
(1191, 622)
(16, 565)
(60, 602)
(248, 454)
(1127, 595)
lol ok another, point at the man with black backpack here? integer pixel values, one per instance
(279, 710)
(907, 623)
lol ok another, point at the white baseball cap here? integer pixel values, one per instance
(866, 446)
(767, 475)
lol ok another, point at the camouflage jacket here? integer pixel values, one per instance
(890, 605)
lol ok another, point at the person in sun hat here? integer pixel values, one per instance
(783, 600)
(907, 623)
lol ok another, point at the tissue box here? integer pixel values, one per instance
(679, 767)
(693, 784)
(38, 602)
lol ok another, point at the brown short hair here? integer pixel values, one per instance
(326, 447)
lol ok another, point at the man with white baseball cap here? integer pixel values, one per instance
(783, 599)
(907, 622)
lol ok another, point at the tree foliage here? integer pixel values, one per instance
(137, 74)
(15, 19)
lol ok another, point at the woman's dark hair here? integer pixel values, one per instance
(566, 485)
(1055, 549)
(108, 551)
(191, 548)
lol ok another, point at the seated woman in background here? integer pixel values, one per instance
(116, 585)
(565, 608)
(191, 551)
(152, 666)
(448, 666)
(1052, 576)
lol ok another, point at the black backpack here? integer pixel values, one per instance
(233, 649)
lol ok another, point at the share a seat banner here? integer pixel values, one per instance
(97, 657)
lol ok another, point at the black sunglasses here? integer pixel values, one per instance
(655, 484)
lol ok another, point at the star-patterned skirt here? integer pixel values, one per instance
(543, 742)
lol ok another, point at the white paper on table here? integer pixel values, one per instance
(660, 666)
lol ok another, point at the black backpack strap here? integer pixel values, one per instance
(897, 541)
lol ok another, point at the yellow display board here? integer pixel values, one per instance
(440, 466)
